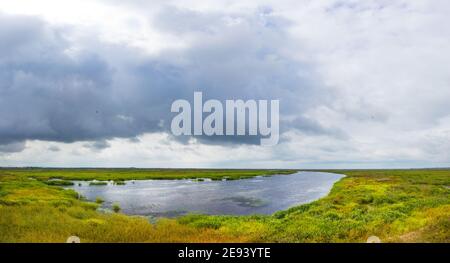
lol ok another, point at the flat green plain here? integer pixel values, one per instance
(395, 205)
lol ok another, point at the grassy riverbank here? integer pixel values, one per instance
(396, 205)
(139, 174)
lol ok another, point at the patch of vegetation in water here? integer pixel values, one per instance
(116, 208)
(99, 200)
(59, 182)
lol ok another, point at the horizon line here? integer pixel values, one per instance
(218, 168)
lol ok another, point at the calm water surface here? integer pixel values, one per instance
(259, 195)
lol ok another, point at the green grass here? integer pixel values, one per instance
(59, 182)
(396, 205)
(116, 208)
(138, 174)
(119, 182)
(99, 200)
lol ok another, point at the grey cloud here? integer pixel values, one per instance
(12, 147)
(362, 110)
(239, 57)
(134, 140)
(97, 145)
(113, 91)
(49, 95)
(186, 21)
(311, 127)
(54, 148)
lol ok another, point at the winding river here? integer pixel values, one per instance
(169, 198)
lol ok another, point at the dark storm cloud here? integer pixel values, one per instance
(46, 94)
(102, 92)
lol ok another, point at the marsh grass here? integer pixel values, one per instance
(396, 205)
(138, 174)
(99, 200)
(116, 208)
(59, 182)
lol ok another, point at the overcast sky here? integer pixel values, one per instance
(361, 84)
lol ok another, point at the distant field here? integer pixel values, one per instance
(396, 205)
(139, 174)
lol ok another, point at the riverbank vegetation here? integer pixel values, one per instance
(396, 205)
(139, 174)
